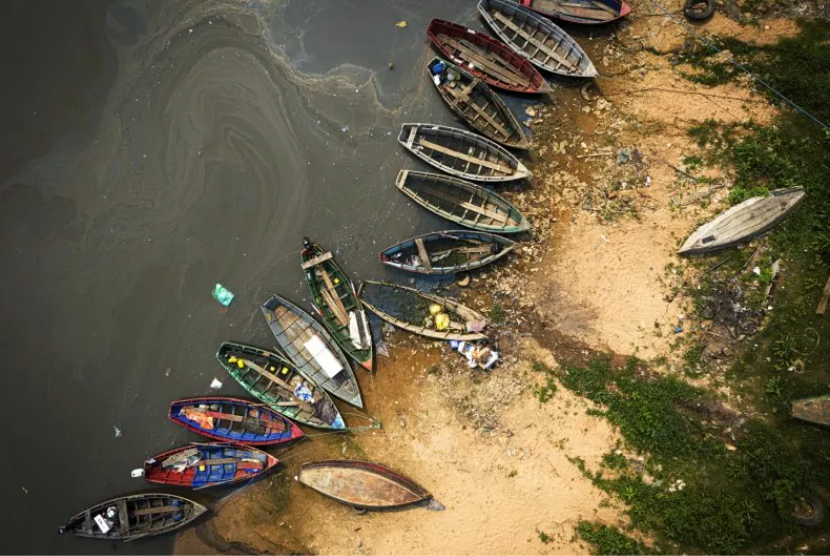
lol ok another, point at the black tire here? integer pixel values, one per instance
(693, 11)
(815, 517)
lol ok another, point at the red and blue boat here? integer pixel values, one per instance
(207, 465)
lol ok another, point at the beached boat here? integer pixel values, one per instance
(333, 295)
(131, 517)
(743, 222)
(585, 12)
(312, 349)
(813, 410)
(233, 420)
(275, 381)
(205, 465)
(536, 38)
(462, 202)
(489, 59)
(461, 153)
(446, 252)
(476, 104)
(361, 484)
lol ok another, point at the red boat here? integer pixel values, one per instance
(490, 60)
(585, 12)
(207, 465)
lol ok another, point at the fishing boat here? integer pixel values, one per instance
(462, 202)
(132, 517)
(813, 410)
(743, 222)
(476, 104)
(536, 38)
(461, 153)
(486, 58)
(275, 381)
(333, 295)
(205, 465)
(233, 420)
(585, 12)
(361, 484)
(446, 252)
(421, 312)
(312, 349)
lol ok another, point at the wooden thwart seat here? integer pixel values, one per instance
(316, 260)
(520, 31)
(462, 156)
(422, 252)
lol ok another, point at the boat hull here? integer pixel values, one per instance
(220, 463)
(449, 252)
(551, 9)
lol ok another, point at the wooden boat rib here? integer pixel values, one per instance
(586, 12)
(536, 38)
(743, 222)
(205, 465)
(312, 349)
(361, 484)
(233, 420)
(462, 202)
(275, 381)
(486, 58)
(446, 252)
(136, 516)
(461, 153)
(813, 410)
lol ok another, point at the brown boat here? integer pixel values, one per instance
(813, 410)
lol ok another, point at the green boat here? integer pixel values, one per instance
(275, 381)
(335, 300)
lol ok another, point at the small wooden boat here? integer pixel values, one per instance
(489, 59)
(813, 410)
(132, 517)
(463, 324)
(333, 295)
(446, 252)
(361, 484)
(585, 12)
(536, 38)
(743, 222)
(205, 465)
(275, 381)
(461, 153)
(462, 202)
(476, 104)
(312, 349)
(233, 420)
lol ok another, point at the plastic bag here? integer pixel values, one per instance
(222, 294)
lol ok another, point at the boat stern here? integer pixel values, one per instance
(368, 365)
(523, 172)
(625, 9)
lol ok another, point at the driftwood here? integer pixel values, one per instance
(825, 296)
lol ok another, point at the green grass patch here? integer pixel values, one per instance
(497, 315)
(609, 540)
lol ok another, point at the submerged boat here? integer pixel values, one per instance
(132, 517)
(233, 420)
(462, 202)
(489, 59)
(312, 349)
(536, 38)
(361, 484)
(743, 222)
(446, 252)
(813, 410)
(585, 12)
(476, 104)
(206, 465)
(461, 153)
(275, 381)
(333, 295)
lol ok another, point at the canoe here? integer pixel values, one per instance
(462, 202)
(446, 252)
(489, 59)
(743, 222)
(233, 420)
(361, 484)
(334, 298)
(585, 12)
(536, 38)
(476, 104)
(205, 465)
(275, 381)
(133, 517)
(461, 153)
(312, 349)
(813, 410)
(416, 303)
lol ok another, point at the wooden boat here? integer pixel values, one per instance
(461, 153)
(813, 410)
(275, 381)
(233, 420)
(361, 484)
(446, 252)
(536, 38)
(134, 517)
(462, 202)
(312, 349)
(486, 58)
(333, 295)
(585, 12)
(476, 104)
(465, 324)
(743, 222)
(205, 465)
